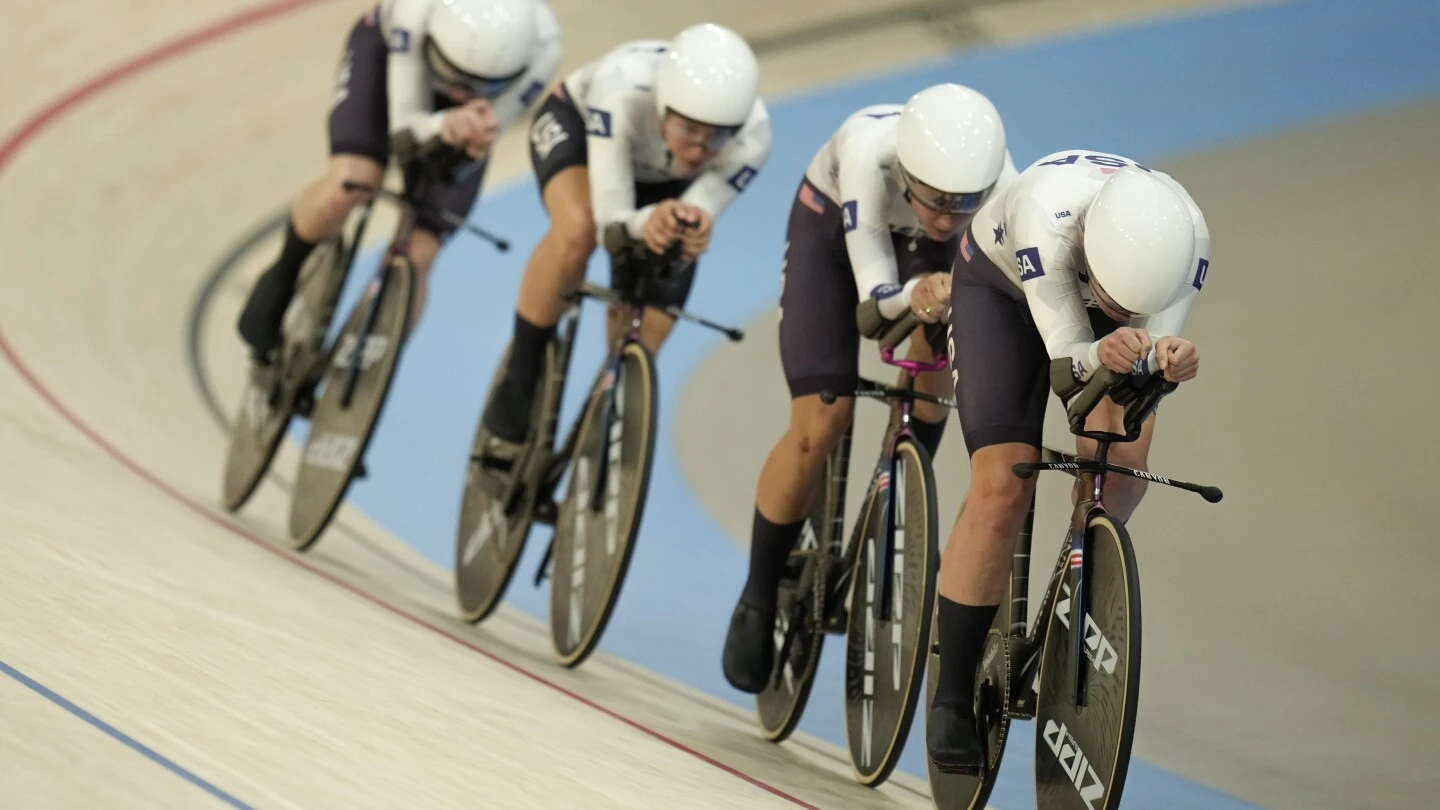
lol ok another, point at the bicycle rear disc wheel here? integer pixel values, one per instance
(801, 606)
(339, 434)
(885, 660)
(486, 555)
(1082, 755)
(260, 422)
(595, 537)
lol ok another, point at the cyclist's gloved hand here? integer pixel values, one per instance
(1120, 349)
(663, 227)
(1178, 358)
(697, 236)
(472, 126)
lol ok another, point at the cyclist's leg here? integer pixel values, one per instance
(359, 149)
(999, 368)
(558, 155)
(433, 232)
(819, 349)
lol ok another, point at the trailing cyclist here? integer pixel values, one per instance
(462, 70)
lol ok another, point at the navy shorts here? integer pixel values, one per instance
(998, 362)
(819, 339)
(360, 123)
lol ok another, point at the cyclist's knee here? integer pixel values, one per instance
(998, 500)
(573, 238)
(817, 426)
(329, 202)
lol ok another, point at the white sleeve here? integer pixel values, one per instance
(864, 205)
(510, 107)
(608, 133)
(1052, 288)
(718, 186)
(409, 95)
(1171, 320)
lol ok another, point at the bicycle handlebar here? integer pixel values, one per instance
(450, 218)
(1138, 399)
(874, 390)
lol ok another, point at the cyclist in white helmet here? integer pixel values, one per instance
(652, 134)
(1090, 257)
(462, 70)
(872, 234)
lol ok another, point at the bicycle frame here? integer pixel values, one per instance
(1138, 403)
(912, 368)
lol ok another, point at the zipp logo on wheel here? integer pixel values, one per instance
(1074, 762)
(331, 451)
(1098, 649)
(492, 521)
(374, 351)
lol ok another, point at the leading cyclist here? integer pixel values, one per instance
(1088, 256)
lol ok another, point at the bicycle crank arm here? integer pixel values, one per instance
(542, 573)
(1026, 469)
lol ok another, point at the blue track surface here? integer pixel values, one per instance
(1148, 91)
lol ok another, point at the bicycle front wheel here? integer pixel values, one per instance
(885, 658)
(600, 516)
(1082, 755)
(362, 366)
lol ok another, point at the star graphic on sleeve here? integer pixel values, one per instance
(1000, 235)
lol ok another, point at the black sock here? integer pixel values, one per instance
(928, 434)
(509, 413)
(962, 637)
(292, 257)
(770, 545)
(264, 312)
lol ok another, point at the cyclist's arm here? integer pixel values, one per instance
(863, 208)
(510, 107)
(1052, 288)
(406, 89)
(1171, 320)
(718, 186)
(608, 133)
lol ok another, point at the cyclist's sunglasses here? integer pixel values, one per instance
(944, 201)
(445, 76)
(713, 138)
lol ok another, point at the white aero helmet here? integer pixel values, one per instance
(708, 75)
(951, 146)
(1139, 242)
(480, 46)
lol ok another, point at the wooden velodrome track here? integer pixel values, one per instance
(136, 622)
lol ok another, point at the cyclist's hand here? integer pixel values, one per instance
(1120, 349)
(663, 226)
(1178, 358)
(931, 297)
(472, 126)
(697, 238)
